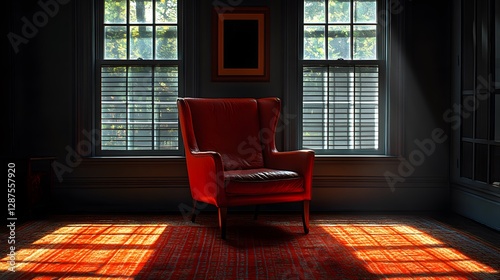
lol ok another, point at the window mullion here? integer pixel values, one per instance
(326, 29)
(153, 31)
(351, 26)
(128, 32)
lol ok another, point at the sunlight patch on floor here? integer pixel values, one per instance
(89, 250)
(404, 251)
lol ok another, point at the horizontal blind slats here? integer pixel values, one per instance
(340, 107)
(138, 108)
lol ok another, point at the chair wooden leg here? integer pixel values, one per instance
(222, 221)
(193, 213)
(305, 216)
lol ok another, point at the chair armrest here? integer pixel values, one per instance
(300, 161)
(206, 176)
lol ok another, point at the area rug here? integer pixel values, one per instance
(271, 247)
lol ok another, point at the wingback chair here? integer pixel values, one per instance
(232, 158)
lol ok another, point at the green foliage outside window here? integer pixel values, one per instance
(140, 32)
(340, 29)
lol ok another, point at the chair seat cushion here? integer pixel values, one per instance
(262, 181)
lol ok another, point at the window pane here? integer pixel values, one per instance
(141, 42)
(115, 42)
(481, 117)
(340, 108)
(497, 117)
(166, 92)
(113, 108)
(481, 162)
(115, 11)
(314, 42)
(139, 135)
(138, 108)
(314, 11)
(365, 11)
(466, 160)
(339, 38)
(468, 44)
(495, 164)
(365, 39)
(141, 11)
(467, 118)
(166, 11)
(315, 91)
(166, 42)
(339, 11)
(366, 107)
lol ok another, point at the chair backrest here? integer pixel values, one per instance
(232, 127)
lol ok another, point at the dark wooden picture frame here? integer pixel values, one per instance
(240, 44)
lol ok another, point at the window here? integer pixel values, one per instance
(478, 119)
(138, 67)
(343, 66)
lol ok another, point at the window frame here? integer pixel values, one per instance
(475, 131)
(382, 62)
(100, 62)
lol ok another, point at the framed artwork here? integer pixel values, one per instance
(240, 44)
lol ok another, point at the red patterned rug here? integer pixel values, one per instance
(272, 247)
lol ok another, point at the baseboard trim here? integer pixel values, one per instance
(475, 207)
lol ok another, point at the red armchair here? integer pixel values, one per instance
(232, 159)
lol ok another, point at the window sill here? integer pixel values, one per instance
(357, 158)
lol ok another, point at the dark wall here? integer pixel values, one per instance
(427, 77)
(42, 73)
(40, 96)
(45, 114)
(274, 87)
